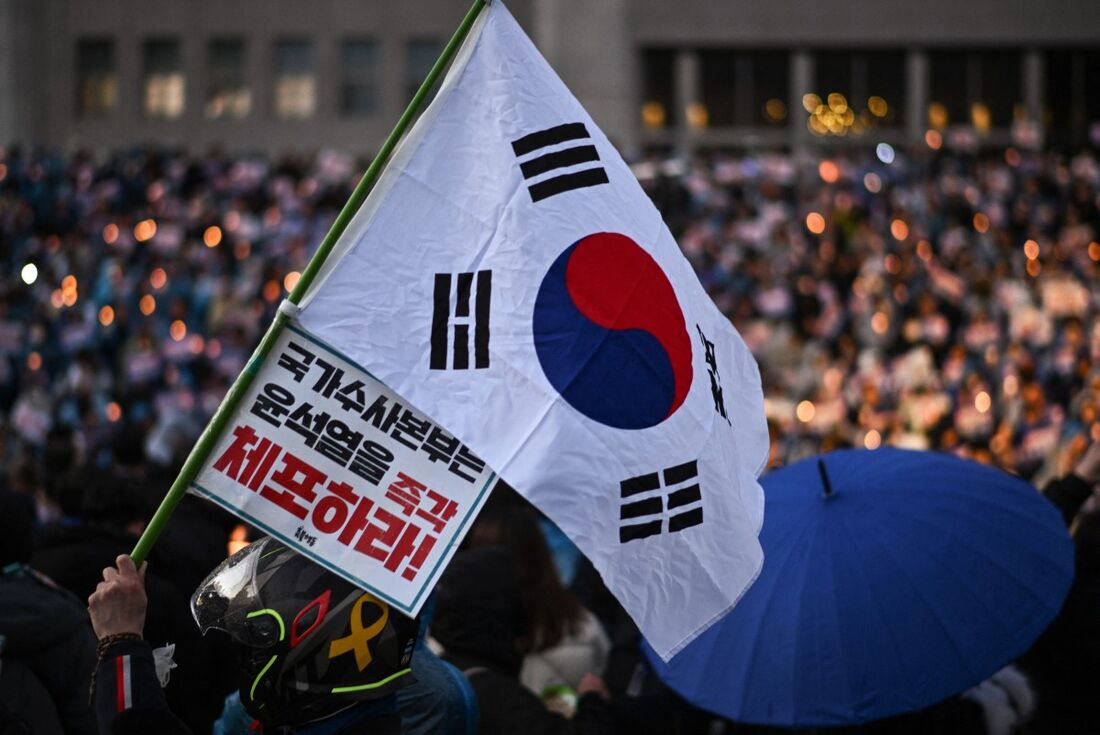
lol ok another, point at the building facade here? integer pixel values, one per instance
(297, 75)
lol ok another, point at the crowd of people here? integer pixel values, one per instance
(924, 299)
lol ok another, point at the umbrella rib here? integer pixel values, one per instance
(959, 651)
(765, 618)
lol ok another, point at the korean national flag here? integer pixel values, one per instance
(510, 278)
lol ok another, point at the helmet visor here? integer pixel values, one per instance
(229, 600)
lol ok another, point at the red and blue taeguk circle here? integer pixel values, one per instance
(610, 334)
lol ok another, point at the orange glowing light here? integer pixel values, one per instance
(147, 304)
(872, 183)
(815, 223)
(1031, 249)
(34, 361)
(158, 279)
(933, 139)
(899, 229)
(291, 280)
(57, 299)
(110, 234)
(195, 344)
(653, 115)
(981, 222)
(805, 412)
(872, 439)
(106, 316)
(114, 412)
(924, 250)
(1094, 250)
(828, 171)
(1034, 268)
(271, 290)
(880, 322)
(178, 330)
(892, 264)
(238, 539)
(982, 402)
(68, 283)
(145, 230)
(212, 236)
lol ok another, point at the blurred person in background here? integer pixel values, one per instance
(560, 640)
(479, 623)
(47, 654)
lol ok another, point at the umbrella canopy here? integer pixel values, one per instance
(892, 580)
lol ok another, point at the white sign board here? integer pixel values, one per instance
(330, 461)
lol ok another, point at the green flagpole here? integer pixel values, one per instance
(240, 386)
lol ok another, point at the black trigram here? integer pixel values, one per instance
(535, 167)
(643, 511)
(458, 325)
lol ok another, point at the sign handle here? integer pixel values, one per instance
(214, 429)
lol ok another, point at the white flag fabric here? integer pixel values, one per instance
(509, 277)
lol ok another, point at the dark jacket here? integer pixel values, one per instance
(47, 631)
(477, 621)
(1065, 662)
(128, 697)
(76, 557)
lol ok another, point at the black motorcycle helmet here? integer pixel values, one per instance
(314, 643)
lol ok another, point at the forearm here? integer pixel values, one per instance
(125, 680)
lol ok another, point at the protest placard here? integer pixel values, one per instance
(329, 460)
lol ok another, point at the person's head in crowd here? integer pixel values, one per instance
(478, 617)
(550, 611)
(114, 500)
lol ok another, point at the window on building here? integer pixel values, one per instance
(97, 78)
(359, 89)
(227, 92)
(162, 78)
(977, 88)
(743, 87)
(295, 82)
(1071, 111)
(856, 91)
(422, 53)
(658, 88)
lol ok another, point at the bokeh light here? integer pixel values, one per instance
(828, 171)
(815, 223)
(148, 304)
(982, 402)
(29, 273)
(872, 439)
(899, 229)
(106, 316)
(291, 280)
(145, 230)
(212, 237)
(178, 330)
(805, 411)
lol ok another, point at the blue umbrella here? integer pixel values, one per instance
(892, 580)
